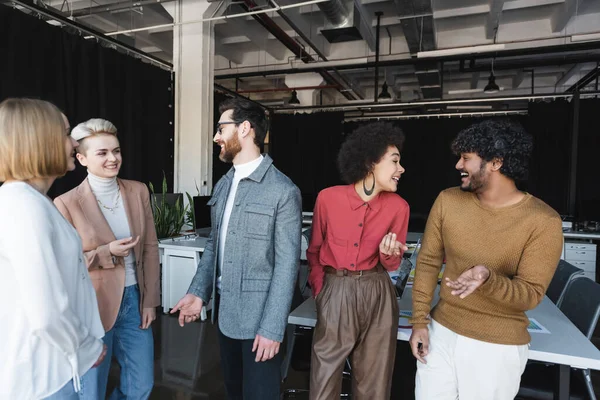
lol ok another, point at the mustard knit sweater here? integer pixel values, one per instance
(521, 246)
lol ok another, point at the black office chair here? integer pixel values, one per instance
(581, 304)
(564, 275)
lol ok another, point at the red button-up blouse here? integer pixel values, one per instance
(347, 231)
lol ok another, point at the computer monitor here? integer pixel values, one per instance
(202, 212)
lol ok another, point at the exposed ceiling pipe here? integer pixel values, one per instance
(290, 43)
(335, 11)
(409, 104)
(439, 115)
(586, 80)
(376, 88)
(288, 89)
(527, 63)
(124, 5)
(48, 13)
(411, 61)
(309, 42)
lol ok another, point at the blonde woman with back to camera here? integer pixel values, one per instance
(114, 219)
(51, 330)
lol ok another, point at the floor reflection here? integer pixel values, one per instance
(187, 365)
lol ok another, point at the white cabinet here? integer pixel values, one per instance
(582, 255)
(179, 263)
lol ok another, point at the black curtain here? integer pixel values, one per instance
(588, 167)
(86, 80)
(305, 148)
(550, 124)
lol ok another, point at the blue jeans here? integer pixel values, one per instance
(89, 388)
(133, 348)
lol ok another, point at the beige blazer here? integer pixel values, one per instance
(80, 207)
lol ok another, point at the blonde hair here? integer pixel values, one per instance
(32, 140)
(92, 127)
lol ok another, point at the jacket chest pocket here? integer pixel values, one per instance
(259, 219)
(213, 210)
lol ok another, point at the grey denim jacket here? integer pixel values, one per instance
(261, 257)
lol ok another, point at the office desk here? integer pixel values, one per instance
(565, 345)
(179, 258)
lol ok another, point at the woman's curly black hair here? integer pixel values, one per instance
(503, 139)
(364, 147)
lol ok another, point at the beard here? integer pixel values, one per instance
(230, 149)
(477, 181)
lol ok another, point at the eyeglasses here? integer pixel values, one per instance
(219, 127)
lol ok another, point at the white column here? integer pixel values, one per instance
(193, 58)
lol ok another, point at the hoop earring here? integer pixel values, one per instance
(369, 192)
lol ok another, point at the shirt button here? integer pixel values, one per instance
(359, 224)
(352, 265)
(365, 204)
(232, 233)
(355, 244)
(100, 267)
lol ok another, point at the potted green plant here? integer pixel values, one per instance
(169, 213)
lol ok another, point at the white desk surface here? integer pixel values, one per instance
(197, 244)
(581, 235)
(564, 345)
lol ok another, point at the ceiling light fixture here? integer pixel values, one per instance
(384, 95)
(294, 99)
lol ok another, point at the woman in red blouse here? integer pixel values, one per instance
(358, 234)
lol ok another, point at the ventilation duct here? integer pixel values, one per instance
(346, 22)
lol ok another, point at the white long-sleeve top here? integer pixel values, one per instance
(107, 191)
(51, 330)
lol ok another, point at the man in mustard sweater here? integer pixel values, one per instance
(501, 247)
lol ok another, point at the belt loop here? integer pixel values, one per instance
(360, 273)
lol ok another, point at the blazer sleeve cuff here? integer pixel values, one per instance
(107, 260)
(277, 337)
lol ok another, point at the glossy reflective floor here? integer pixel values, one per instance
(187, 365)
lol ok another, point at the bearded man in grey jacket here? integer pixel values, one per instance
(251, 257)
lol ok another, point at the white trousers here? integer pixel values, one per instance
(467, 369)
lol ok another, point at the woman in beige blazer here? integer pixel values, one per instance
(114, 219)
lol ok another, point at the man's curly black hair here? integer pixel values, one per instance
(364, 147)
(503, 139)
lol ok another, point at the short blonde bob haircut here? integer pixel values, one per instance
(32, 140)
(92, 127)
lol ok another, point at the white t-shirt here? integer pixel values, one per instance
(241, 171)
(51, 330)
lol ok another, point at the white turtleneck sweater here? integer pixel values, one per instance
(241, 171)
(106, 191)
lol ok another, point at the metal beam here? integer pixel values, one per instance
(124, 5)
(420, 36)
(574, 71)
(28, 4)
(273, 47)
(307, 31)
(144, 37)
(290, 43)
(583, 82)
